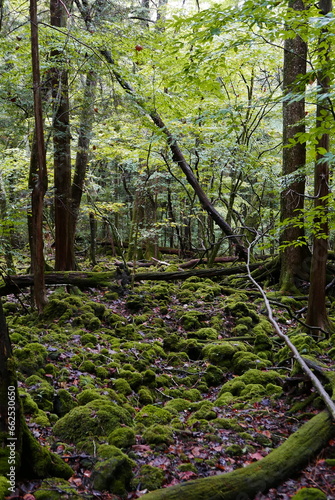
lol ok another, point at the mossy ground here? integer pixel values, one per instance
(156, 376)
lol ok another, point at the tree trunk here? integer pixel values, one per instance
(293, 258)
(38, 178)
(245, 483)
(82, 157)
(317, 312)
(61, 141)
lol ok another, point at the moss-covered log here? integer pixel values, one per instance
(245, 483)
(13, 284)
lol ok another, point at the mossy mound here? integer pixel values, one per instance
(88, 395)
(213, 376)
(177, 405)
(204, 289)
(41, 392)
(239, 309)
(122, 437)
(158, 434)
(222, 354)
(151, 414)
(303, 342)
(97, 418)
(243, 361)
(192, 320)
(31, 357)
(149, 478)
(207, 333)
(114, 474)
(309, 494)
(252, 376)
(55, 488)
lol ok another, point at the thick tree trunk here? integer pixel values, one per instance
(293, 258)
(62, 151)
(245, 483)
(38, 178)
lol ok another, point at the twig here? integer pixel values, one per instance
(315, 381)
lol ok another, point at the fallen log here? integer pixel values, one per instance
(260, 476)
(13, 284)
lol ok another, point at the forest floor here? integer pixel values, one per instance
(182, 361)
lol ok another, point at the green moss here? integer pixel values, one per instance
(31, 357)
(42, 419)
(158, 434)
(227, 423)
(213, 376)
(177, 405)
(63, 402)
(191, 320)
(29, 405)
(240, 330)
(87, 366)
(234, 450)
(97, 418)
(114, 474)
(273, 390)
(254, 376)
(164, 381)
(149, 478)
(243, 361)
(310, 494)
(240, 309)
(41, 392)
(224, 399)
(192, 347)
(252, 391)
(192, 395)
(151, 414)
(122, 386)
(56, 489)
(133, 378)
(187, 467)
(135, 302)
(87, 396)
(88, 338)
(4, 485)
(101, 372)
(123, 437)
(145, 396)
(207, 333)
(205, 411)
(222, 354)
(149, 378)
(177, 358)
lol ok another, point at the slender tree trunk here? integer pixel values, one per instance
(317, 312)
(62, 153)
(38, 179)
(82, 157)
(294, 158)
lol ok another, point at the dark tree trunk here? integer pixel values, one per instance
(293, 258)
(62, 153)
(317, 312)
(38, 171)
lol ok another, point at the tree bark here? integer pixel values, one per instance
(293, 258)
(245, 483)
(317, 311)
(62, 152)
(38, 178)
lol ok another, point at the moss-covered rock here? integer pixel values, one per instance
(177, 405)
(207, 333)
(222, 354)
(31, 357)
(243, 361)
(192, 347)
(234, 450)
(158, 434)
(192, 395)
(41, 392)
(114, 474)
(213, 376)
(145, 397)
(29, 405)
(134, 378)
(88, 338)
(151, 414)
(149, 478)
(56, 489)
(97, 418)
(122, 437)
(63, 402)
(191, 320)
(252, 391)
(88, 395)
(310, 494)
